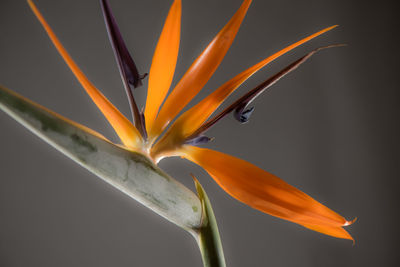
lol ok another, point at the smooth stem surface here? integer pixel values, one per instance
(207, 236)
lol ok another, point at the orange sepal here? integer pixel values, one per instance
(337, 231)
(126, 131)
(265, 192)
(164, 63)
(199, 72)
(192, 119)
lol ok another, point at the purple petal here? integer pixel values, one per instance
(129, 73)
(126, 64)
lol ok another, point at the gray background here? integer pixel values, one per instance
(330, 129)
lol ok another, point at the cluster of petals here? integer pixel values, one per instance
(159, 132)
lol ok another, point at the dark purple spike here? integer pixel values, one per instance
(125, 61)
(242, 112)
(129, 73)
(202, 139)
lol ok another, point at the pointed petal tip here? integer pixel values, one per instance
(327, 29)
(349, 237)
(327, 47)
(352, 239)
(32, 5)
(347, 223)
(334, 231)
(332, 27)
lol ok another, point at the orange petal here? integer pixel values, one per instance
(192, 119)
(128, 134)
(164, 62)
(337, 231)
(263, 191)
(200, 72)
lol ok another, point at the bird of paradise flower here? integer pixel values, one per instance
(158, 132)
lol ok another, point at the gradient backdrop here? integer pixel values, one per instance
(330, 129)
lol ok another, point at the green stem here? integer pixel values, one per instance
(207, 236)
